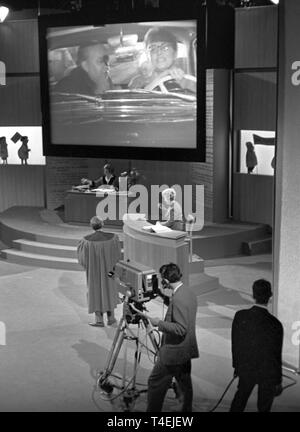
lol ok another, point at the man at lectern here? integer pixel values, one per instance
(108, 178)
(98, 253)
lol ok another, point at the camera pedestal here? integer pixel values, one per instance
(123, 334)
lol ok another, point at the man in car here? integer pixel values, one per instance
(91, 76)
(161, 46)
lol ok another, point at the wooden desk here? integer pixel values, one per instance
(154, 250)
(82, 206)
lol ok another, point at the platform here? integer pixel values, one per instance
(39, 237)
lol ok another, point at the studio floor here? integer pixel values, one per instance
(52, 356)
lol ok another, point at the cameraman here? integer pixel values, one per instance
(179, 344)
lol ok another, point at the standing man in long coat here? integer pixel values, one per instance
(98, 253)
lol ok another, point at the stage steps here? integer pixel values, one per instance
(256, 247)
(50, 249)
(57, 256)
(41, 254)
(40, 260)
(42, 233)
(225, 240)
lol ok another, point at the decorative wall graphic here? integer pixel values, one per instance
(251, 158)
(264, 148)
(16, 156)
(16, 137)
(266, 141)
(23, 151)
(3, 150)
(263, 140)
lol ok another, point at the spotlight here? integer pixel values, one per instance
(246, 3)
(275, 1)
(3, 13)
(76, 5)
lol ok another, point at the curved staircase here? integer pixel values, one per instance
(36, 253)
(38, 237)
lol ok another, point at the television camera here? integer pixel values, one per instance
(138, 284)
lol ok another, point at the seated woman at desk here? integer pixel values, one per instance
(173, 210)
(108, 179)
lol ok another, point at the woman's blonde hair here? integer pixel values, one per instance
(169, 194)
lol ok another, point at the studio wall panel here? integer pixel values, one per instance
(253, 198)
(21, 185)
(219, 35)
(221, 143)
(256, 37)
(255, 101)
(19, 46)
(287, 197)
(20, 101)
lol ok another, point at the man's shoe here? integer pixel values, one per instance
(111, 321)
(96, 324)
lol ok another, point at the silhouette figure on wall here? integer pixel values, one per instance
(23, 151)
(251, 159)
(3, 150)
(273, 162)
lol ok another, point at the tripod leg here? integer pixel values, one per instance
(131, 393)
(136, 359)
(115, 349)
(149, 331)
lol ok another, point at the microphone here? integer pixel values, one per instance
(190, 219)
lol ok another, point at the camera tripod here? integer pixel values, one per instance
(124, 334)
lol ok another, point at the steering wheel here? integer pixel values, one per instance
(160, 82)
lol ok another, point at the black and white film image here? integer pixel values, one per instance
(133, 84)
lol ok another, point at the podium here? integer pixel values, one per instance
(153, 249)
(82, 206)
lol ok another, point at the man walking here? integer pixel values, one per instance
(257, 338)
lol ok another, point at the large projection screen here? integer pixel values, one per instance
(127, 89)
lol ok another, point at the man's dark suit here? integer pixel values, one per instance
(179, 346)
(78, 81)
(257, 338)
